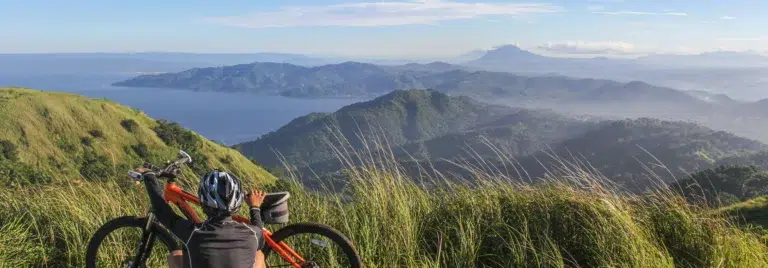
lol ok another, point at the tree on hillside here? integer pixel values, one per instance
(724, 184)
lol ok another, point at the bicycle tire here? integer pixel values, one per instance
(318, 229)
(115, 224)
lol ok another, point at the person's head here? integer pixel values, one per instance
(220, 193)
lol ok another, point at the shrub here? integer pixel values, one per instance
(46, 113)
(87, 141)
(227, 160)
(66, 145)
(129, 124)
(21, 174)
(141, 150)
(96, 167)
(175, 135)
(8, 150)
(96, 133)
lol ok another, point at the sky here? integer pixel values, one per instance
(384, 29)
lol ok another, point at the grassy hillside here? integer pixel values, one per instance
(574, 221)
(59, 137)
(64, 160)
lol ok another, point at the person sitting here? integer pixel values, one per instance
(219, 241)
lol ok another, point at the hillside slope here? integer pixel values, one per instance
(399, 117)
(519, 133)
(625, 151)
(51, 137)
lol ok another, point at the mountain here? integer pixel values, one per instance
(555, 88)
(719, 59)
(627, 151)
(362, 79)
(737, 74)
(397, 118)
(712, 97)
(511, 58)
(723, 185)
(345, 79)
(432, 67)
(509, 54)
(522, 132)
(466, 57)
(57, 138)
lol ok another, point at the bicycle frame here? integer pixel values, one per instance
(175, 195)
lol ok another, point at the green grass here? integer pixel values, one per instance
(576, 220)
(57, 133)
(751, 215)
(396, 223)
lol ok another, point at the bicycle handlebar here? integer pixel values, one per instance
(169, 171)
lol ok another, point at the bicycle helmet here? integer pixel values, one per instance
(220, 193)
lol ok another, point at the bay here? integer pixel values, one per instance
(228, 118)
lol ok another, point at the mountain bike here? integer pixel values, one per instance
(299, 245)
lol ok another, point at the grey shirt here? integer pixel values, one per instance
(217, 242)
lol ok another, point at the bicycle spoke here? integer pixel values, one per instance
(314, 249)
(121, 246)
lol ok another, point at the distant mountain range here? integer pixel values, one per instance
(737, 74)
(740, 75)
(362, 79)
(431, 128)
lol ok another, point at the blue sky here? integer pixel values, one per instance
(385, 29)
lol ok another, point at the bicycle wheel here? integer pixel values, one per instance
(117, 243)
(319, 245)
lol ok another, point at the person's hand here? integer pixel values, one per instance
(255, 198)
(142, 171)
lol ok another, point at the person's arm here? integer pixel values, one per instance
(254, 200)
(162, 210)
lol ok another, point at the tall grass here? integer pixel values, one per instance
(575, 220)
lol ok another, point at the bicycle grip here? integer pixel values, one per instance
(134, 175)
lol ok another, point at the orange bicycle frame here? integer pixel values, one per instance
(175, 195)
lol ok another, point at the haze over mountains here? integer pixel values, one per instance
(737, 74)
(435, 129)
(521, 78)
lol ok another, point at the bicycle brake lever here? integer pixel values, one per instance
(134, 175)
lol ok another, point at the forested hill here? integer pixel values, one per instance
(520, 133)
(632, 151)
(363, 79)
(50, 137)
(397, 118)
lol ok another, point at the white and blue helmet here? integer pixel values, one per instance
(220, 192)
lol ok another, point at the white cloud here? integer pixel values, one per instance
(727, 18)
(589, 47)
(641, 13)
(369, 14)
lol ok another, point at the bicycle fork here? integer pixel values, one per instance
(145, 245)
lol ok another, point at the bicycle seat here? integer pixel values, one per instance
(273, 199)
